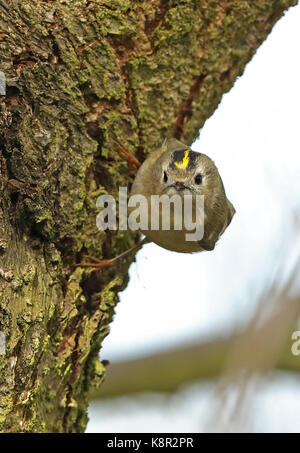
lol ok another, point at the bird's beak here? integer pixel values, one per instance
(179, 185)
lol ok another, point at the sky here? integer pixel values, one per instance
(173, 298)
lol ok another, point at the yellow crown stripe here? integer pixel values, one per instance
(185, 161)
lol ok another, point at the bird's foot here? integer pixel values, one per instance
(96, 263)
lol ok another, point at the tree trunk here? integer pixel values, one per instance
(79, 75)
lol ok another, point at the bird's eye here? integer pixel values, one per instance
(198, 179)
(165, 177)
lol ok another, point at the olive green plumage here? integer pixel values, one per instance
(175, 169)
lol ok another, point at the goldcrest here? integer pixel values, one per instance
(176, 169)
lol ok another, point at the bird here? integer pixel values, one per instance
(175, 169)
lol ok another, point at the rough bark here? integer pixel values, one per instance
(80, 74)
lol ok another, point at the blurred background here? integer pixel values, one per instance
(202, 343)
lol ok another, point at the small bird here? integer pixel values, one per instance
(175, 169)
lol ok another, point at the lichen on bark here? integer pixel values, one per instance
(81, 74)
